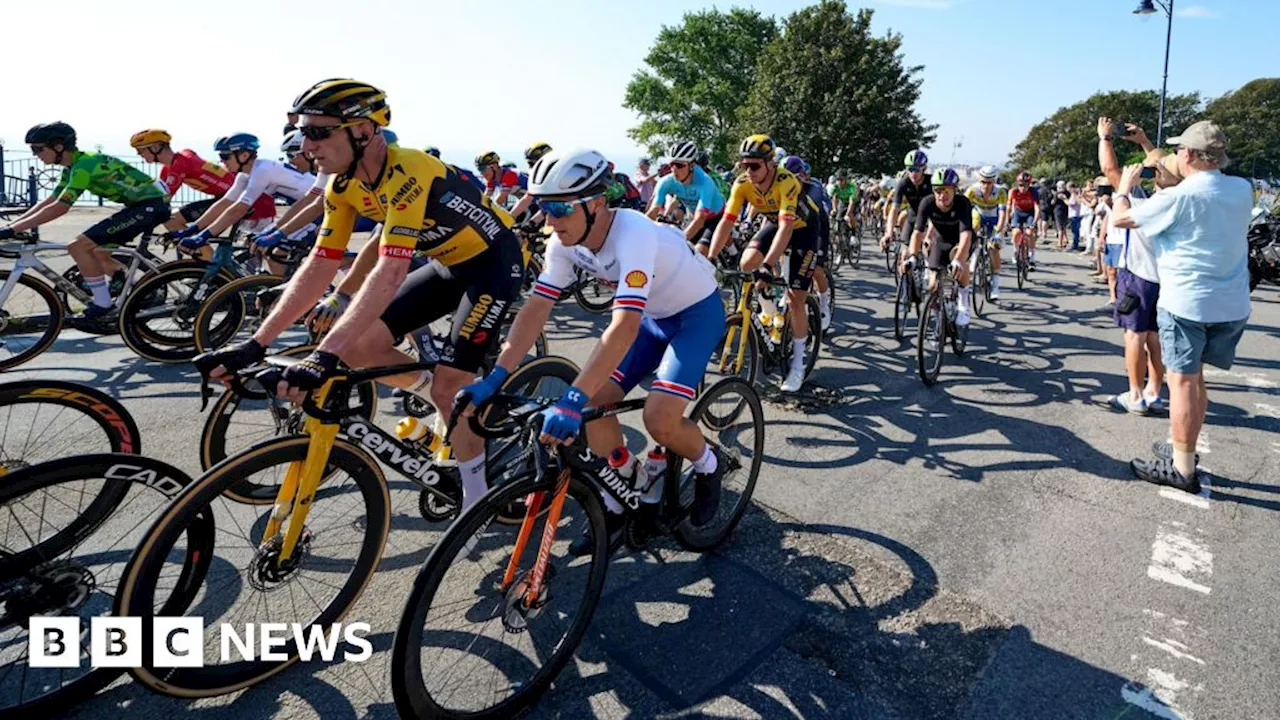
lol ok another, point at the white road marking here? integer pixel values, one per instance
(1173, 647)
(1136, 693)
(1175, 555)
(1202, 499)
(1252, 379)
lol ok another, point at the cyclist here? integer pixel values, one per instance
(428, 207)
(667, 316)
(185, 167)
(818, 195)
(623, 193)
(790, 228)
(256, 177)
(845, 194)
(911, 189)
(1024, 209)
(989, 200)
(695, 190)
(500, 182)
(531, 155)
(951, 217)
(146, 205)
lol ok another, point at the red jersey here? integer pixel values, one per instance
(1024, 200)
(190, 169)
(509, 179)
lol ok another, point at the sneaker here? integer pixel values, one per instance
(613, 525)
(1124, 401)
(1164, 451)
(117, 283)
(706, 490)
(1108, 307)
(1162, 472)
(826, 318)
(97, 312)
(995, 288)
(794, 380)
(962, 316)
(1156, 403)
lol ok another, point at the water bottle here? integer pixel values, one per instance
(655, 469)
(775, 333)
(444, 453)
(414, 431)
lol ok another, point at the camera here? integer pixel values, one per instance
(1119, 130)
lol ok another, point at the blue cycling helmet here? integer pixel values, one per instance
(390, 136)
(433, 151)
(236, 143)
(794, 164)
(945, 176)
(916, 159)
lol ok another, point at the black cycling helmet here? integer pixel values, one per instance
(54, 133)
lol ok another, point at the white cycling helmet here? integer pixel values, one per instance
(570, 172)
(292, 143)
(987, 172)
(887, 183)
(683, 151)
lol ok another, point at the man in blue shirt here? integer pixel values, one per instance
(1199, 230)
(695, 189)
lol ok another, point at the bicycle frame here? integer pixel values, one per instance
(748, 319)
(27, 260)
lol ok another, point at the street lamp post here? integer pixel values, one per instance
(1147, 7)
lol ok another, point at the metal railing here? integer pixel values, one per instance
(27, 181)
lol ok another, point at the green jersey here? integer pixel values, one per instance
(108, 178)
(846, 195)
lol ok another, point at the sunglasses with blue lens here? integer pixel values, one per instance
(563, 208)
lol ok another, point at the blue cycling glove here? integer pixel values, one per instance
(199, 240)
(564, 419)
(269, 238)
(188, 231)
(479, 393)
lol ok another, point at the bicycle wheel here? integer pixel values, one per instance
(837, 254)
(853, 253)
(902, 308)
(69, 526)
(547, 378)
(930, 339)
(247, 582)
(959, 339)
(467, 645)
(981, 281)
(1022, 257)
(43, 420)
(723, 362)
(157, 320)
(232, 312)
(743, 442)
(593, 295)
(30, 320)
(237, 423)
(813, 343)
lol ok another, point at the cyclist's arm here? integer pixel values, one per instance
(231, 207)
(966, 235)
(724, 231)
(522, 205)
(921, 228)
(360, 269)
(610, 351)
(368, 305)
(636, 258)
(218, 207)
(46, 210)
(524, 330)
(300, 214)
(781, 240)
(657, 204)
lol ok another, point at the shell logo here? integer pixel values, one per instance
(637, 279)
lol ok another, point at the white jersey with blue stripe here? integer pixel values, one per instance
(654, 268)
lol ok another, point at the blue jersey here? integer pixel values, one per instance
(701, 190)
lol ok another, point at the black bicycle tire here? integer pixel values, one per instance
(407, 686)
(119, 426)
(203, 335)
(57, 314)
(137, 583)
(685, 533)
(931, 305)
(751, 359)
(147, 344)
(901, 308)
(815, 334)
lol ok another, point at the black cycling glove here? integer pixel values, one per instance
(234, 358)
(311, 372)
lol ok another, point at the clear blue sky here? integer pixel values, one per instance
(504, 74)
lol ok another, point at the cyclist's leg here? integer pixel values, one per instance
(803, 262)
(188, 213)
(96, 264)
(605, 435)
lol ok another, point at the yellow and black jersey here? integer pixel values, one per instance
(422, 203)
(782, 200)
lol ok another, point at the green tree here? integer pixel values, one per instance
(1070, 136)
(1250, 116)
(830, 91)
(699, 72)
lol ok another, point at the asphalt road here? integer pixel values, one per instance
(977, 549)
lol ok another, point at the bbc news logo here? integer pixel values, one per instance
(177, 642)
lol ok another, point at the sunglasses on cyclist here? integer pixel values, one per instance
(681, 165)
(316, 133)
(752, 166)
(37, 149)
(227, 155)
(915, 170)
(563, 208)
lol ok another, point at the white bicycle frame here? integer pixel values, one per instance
(27, 260)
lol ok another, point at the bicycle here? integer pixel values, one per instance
(846, 243)
(31, 319)
(1022, 255)
(158, 321)
(485, 630)
(71, 524)
(747, 340)
(316, 541)
(907, 296)
(591, 293)
(937, 325)
(982, 271)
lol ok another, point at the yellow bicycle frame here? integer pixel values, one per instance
(302, 480)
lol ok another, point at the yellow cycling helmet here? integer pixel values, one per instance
(485, 159)
(757, 146)
(346, 99)
(150, 137)
(535, 151)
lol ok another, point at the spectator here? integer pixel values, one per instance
(1199, 232)
(1110, 243)
(1138, 283)
(1060, 213)
(645, 181)
(1046, 210)
(1075, 213)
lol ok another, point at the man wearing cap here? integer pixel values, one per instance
(1198, 229)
